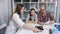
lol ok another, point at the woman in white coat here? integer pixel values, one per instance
(16, 22)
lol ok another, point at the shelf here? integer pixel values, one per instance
(38, 2)
(35, 0)
(46, 2)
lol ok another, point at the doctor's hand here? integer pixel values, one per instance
(36, 30)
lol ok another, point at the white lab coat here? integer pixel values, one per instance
(15, 23)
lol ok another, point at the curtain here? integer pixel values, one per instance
(5, 12)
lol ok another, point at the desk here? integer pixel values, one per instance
(46, 28)
(43, 32)
(26, 31)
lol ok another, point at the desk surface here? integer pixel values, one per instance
(45, 31)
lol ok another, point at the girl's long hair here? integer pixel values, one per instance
(30, 14)
(18, 8)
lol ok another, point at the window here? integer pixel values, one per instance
(34, 0)
(17, 0)
(25, 0)
(50, 5)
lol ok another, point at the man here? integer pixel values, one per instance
(44, 16)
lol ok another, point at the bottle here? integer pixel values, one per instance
(55, 30)
(50, 31)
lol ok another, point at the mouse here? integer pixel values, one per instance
(39, 27)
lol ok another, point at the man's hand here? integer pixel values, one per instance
(51, 22)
